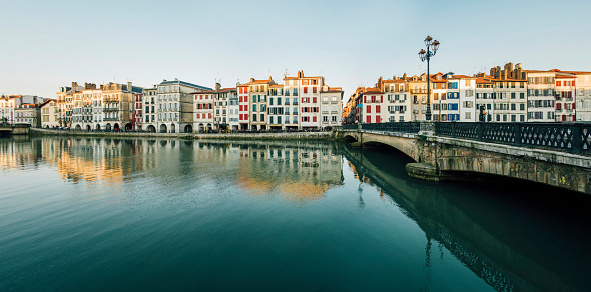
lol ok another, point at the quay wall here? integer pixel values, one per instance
(326, 136)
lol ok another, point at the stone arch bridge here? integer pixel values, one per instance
(544, 153)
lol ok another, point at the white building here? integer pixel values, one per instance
(331, 106)
(583, 95)
(174, 107)
(149, 96)
(49, 114)
(540, 96)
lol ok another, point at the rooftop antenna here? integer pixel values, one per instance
(286, 74)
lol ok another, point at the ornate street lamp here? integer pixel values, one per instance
(432, 47)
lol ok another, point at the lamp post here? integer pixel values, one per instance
(432, 46)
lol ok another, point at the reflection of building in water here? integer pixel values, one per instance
(298, 173)
(17, 152)
(85, 159)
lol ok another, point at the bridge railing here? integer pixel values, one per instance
(569, 137)
(402, 127)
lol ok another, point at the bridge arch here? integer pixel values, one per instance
(406, 145)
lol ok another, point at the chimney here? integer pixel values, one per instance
(301, 74)
(251, 79)
(404, 76)
(218, 86)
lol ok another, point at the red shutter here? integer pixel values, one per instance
(378, 109)
(315, 98)
(558, 106)
(573, 105)
(314, 119)
(369, 109)
(368, 119)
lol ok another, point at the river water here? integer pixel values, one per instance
(155, 214)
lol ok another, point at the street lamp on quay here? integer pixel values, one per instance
(432, 47)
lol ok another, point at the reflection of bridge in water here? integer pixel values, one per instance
(490, 253)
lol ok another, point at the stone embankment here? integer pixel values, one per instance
(222, 136)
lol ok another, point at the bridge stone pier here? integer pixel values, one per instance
(441, 158)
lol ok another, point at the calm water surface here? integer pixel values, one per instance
(112, 214)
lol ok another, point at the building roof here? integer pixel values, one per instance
(373, 91)
(305, 77)
(462, 77)
(222, 90)
(260, 81)
(203, 92)
(483, 81)
(172, 82)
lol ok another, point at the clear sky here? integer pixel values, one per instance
(48, 44)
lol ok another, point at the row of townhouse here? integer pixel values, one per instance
(506, 95)
(176, 106)
(300, 103)
(88, 107)
(21, 109)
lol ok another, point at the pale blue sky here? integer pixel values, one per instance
(48, 44)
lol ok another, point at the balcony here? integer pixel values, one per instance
(295, 103)
(418, 91)
(287, 103)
